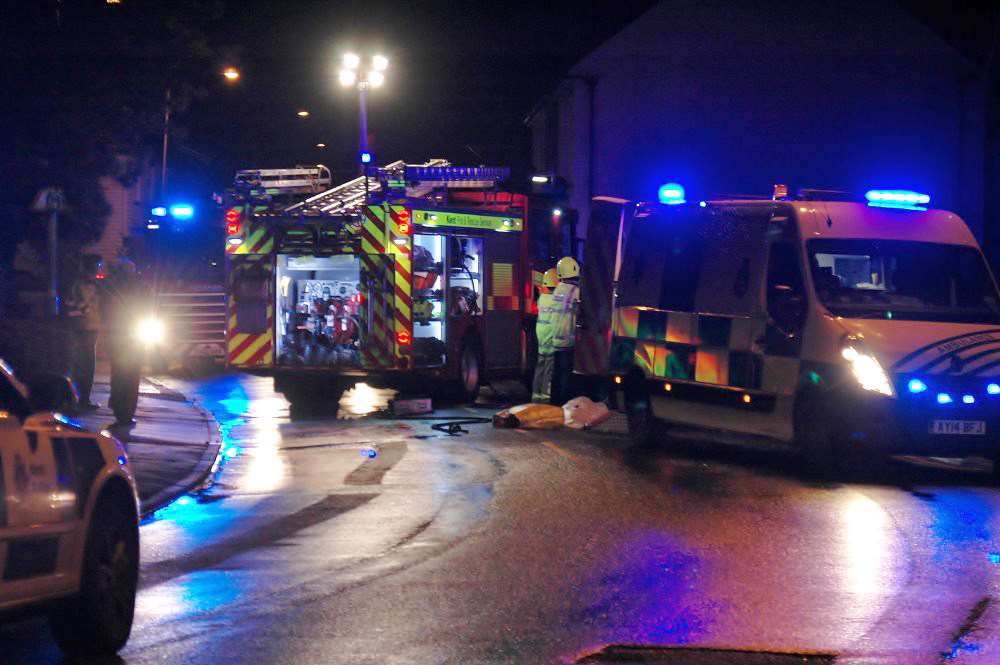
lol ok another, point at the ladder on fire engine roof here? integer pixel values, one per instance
(421, 180)
(299, 180)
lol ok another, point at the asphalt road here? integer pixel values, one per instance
(502, 546)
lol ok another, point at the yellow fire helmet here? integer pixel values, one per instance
(550, 279)
(423, 310)
(567, 267)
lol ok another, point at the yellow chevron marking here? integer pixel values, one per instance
(236, 340)
(252, 349)
(250, 240)
(375, 233)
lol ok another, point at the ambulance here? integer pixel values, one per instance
(410, 273)
(848, 329)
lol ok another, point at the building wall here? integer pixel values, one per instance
(129, 208)
(730, 100)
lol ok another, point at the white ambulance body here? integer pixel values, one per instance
(842, 328)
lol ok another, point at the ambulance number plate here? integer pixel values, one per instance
(976, 427)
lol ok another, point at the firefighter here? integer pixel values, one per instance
(544, 333)
(565, 301)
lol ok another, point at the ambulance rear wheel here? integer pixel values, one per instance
(644, 430)
(470, 371)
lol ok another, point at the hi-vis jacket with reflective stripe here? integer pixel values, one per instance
(564, 301)
(545, 329)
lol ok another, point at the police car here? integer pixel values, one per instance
(847, 329)
(69, 535)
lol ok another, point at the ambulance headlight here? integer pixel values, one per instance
(150, 331)
(867, 370)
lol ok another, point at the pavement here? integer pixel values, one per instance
(172, 448)
(339, 537)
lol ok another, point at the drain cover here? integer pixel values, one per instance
(625, 654)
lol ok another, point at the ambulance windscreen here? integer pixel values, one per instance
(894, 279)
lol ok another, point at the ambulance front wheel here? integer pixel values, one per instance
(825, 450)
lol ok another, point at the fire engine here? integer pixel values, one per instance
(409, 271)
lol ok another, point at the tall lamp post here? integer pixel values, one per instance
(352, 74)
(231, 76)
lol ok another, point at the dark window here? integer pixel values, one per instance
(662, 262)
(11, 399)
(785, 292)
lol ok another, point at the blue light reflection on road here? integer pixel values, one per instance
(961, 518)
(652, 594)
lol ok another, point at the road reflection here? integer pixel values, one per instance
(865, 539)
(362, 400)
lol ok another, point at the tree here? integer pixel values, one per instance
(84, 99)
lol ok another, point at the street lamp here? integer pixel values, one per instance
(303, 113)
(231, 74)
(353, 74)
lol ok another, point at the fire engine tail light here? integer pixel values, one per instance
(232, 222)
(403, 219)
(403, 337)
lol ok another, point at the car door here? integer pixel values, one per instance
(37, 523)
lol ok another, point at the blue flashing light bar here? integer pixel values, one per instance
(944, 398)
(366, 158)
(968, 399)
(456, 173)
(993, 388)
(182, 211)
(158, 211)
(904, 199)
(671, 193)
(916, 386)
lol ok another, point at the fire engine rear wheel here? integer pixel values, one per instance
(470, 374)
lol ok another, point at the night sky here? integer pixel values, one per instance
(462, 75)
(461, 79)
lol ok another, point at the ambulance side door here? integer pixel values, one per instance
(731, 321)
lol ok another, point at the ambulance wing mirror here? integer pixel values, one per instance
(787, 308)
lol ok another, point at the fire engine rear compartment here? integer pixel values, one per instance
(331, 309)
(318, 302)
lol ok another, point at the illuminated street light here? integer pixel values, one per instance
(231, 74)
(320, 145)
(353, 75)
(303, 114)
(347, 77)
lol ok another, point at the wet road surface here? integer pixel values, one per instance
(366, 540)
